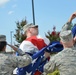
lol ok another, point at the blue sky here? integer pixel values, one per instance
(48, 13)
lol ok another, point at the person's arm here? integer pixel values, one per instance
(18, 61)
(68, 25)
(24, 60)
(50, 66)
(72, 17)
(17, 50)
(29, 47)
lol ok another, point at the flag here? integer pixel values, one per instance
(39, 60)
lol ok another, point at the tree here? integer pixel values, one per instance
(19, 36)
(53, 36)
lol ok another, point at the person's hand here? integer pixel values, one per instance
(72, 17)
(47, 54)
(75, 39)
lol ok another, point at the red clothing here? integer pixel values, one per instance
(37, 73)
(38, 42)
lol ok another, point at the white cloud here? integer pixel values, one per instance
(10, 12)
(3, 2)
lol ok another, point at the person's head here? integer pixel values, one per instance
(30, 30)
(66, 38)
(2, 43)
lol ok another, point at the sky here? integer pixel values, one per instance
(48, 13)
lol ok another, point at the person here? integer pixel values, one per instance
(65, 60)
(32, 44)
(9, 62)
(69, 26)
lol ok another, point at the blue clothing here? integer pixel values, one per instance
(74, 30)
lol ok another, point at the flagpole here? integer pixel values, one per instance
(33, 13)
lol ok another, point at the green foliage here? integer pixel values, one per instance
(53, 36)
(54, 73)
(19, 36)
